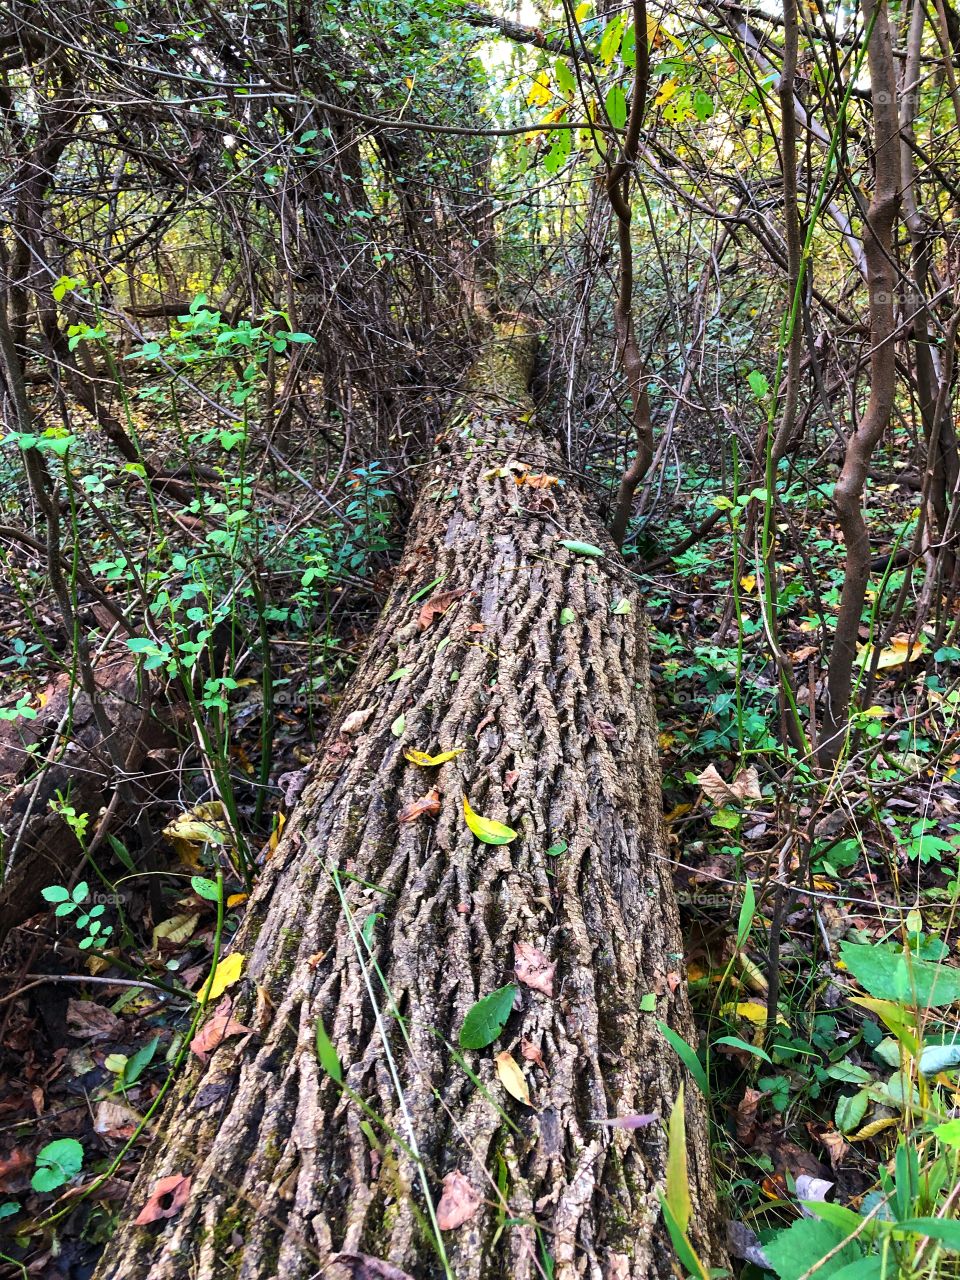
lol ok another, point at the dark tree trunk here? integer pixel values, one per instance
(538, 667)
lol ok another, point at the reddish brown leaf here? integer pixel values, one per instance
(427, 806)
(213, 1033)
(435, 606)
(167, 1198)
(532, 1054)
(458, 1203)
(510, 779)
(533, 968)
(539, 480)
(477, 627)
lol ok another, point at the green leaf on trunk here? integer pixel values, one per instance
(487, 829)
(327, 1055)
(487, 1018)
(582, 548)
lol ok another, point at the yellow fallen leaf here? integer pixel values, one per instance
(225, 975)
(676, 812)
(236, 899)
(422, 758)
(872, 1129)
(512, 1078)
(897, 653)
(176, 930)
(203, 825)
(748, 582)
(752, 1011)
(487, 829)
(275, 835)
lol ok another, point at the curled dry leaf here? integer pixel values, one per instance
(167, 1198)
(356, 720)
(747, 1116)
(436, 606)
(533, 968)
(531, 1053)
(538, 480)
(427, 806)
(512, 1078)
(459, 1202)
(745, 786)
(219, 1028)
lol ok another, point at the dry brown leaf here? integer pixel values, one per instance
(427, 806)
(213, 1033)
(459, 1202)
(477, 627)
(356, 720)
(531, 1053)
(539, 480)
(361, 1266)
(167, 1198)
(435, 606)
(91, 1020)
(747, 1116)
(114, 1120)
(512, 1078)
(533, 968)
(510, 779)
(745, 786)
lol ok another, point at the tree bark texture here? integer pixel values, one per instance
(525, 654)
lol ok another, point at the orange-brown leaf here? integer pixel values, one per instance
(427, 806)
(167, 1198)
(435, 606)
(458, 1203)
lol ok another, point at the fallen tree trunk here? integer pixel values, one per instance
(532, 657)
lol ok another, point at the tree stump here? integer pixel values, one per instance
(532, 658)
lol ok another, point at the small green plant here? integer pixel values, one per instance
(58, 1163)
(88, 922)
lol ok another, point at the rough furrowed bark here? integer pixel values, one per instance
(539, 670)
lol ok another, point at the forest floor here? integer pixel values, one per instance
(85, 1048)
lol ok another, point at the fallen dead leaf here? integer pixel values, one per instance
(533, 968)
(459, 1202)
(356, 720)
(91, 1020)
(361, 1266)
(436, 606)
(531, 1053)
(427, 806)
(745, 786)
(747, 1116)
(512, 1078)
(537, 480)
(114, 1120)
(219, 1028)
(167, 1198)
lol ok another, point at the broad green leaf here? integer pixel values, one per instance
(205, 888)
(889, 973)
(327, 1055)
(135, 1066)
(850, 1111)
(566, 617)
(805, 1244)
(566, 81)
(487, 1018)
(621, 608)
(487, 829)
(939, 1057)
(399, 726)
(557, 849)
(616, 104)
(581, 548)
(423, 759)
(57, 1163)
(55, 893)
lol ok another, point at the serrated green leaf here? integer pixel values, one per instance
(487, 1018)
